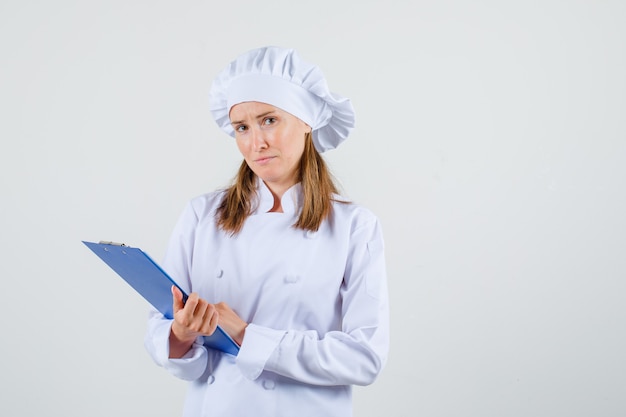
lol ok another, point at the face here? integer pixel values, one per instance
(271, 141)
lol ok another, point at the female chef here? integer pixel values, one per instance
(285, 266)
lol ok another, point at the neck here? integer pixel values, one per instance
(278, 196)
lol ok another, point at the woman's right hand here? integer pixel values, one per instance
(193, 318)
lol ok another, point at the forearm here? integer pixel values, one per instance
(178, 347)
(336, 359)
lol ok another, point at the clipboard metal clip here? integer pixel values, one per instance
(104, 242)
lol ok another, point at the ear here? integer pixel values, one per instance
(306, 127)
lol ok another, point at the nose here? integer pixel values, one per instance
(258, 140)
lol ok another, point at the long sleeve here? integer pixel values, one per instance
(357, 352)
(156, 340)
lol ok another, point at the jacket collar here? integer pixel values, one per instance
(291, 200)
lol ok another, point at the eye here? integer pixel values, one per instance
(269, 121)
(241, 128)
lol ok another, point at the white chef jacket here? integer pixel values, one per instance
(316, 304)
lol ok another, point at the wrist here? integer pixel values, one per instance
(179, 346)
(240, 335)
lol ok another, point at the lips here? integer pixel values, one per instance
(264, 160)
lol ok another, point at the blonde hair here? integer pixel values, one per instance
(318, 190)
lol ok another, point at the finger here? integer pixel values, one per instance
(177, 299)
(184, 315)
(215, 321)
(207, 312)
(192, 304)
(210, 319)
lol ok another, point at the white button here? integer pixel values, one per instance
(220, 273)
(292, 279)
(269, 384)
(311, 234)
(210, 379)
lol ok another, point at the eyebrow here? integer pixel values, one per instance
(260, 116)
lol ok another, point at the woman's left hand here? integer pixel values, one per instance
(231, 322)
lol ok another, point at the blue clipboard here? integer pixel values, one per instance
(153, 284)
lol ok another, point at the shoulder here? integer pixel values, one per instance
(204, 205)
(353, 214)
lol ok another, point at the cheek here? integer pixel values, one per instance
(298, 147)
(300, 150)
(241, 145)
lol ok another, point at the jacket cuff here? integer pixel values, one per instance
(258, 345)
(190, 366)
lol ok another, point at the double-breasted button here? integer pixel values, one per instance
(219, 273)
(292, 278)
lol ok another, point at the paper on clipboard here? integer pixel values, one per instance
(153, 284)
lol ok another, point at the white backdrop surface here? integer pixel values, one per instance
(490, 141)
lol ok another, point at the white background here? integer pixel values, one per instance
(491, 142)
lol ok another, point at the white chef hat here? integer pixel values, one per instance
(278, 77)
